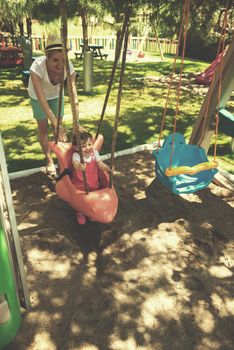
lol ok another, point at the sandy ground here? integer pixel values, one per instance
(160, 277)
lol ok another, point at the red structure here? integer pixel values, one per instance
(206, 77)
(11, 56)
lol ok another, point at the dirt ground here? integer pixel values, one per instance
(159, 278)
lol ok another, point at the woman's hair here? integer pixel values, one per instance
(84, 137)
(50, 53)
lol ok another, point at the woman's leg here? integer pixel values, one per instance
(43, 139)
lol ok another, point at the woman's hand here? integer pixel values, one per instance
(62, 134)
(61, 131)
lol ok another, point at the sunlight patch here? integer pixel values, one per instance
(34, 298)
(204, 319)
(207, 343)
(47, 262)
(26, 225)
(119, 344)
(164, 241)
(218, 304)
(220, 271)
(86, 347)
(156, 305)
(230, 305)
(75, 328)
(43, 341)
(56, 301)
(192, 198)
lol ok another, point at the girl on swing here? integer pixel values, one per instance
(91, 164)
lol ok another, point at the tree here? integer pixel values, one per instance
(202, 39)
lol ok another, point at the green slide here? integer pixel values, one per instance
(10, 317)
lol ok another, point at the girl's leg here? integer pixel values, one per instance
(81, 219)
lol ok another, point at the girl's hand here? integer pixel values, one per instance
(109, 170)
(82, 166)
(112, 170)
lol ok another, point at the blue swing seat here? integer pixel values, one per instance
(183, 156)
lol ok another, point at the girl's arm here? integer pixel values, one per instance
(78, 165)
(103, 166)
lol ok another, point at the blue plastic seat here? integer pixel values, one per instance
(183, 155)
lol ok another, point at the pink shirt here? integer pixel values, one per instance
(91, 170)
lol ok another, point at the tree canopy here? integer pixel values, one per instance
(205, 15)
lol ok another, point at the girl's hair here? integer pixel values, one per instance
(84, 137)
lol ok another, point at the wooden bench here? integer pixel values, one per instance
(78, 54)
(105, 55)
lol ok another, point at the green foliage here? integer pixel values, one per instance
(203, 37)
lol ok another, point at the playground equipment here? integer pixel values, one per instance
(206, 77)
(184, 168)
(226, 122)
(203, 129)
(13, 288)
(190, 170)
(11, 56)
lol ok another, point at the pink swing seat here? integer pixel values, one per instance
(100, 205)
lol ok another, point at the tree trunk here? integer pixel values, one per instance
(21, 28)
(84, 29)
(29, 27)
(118, 35)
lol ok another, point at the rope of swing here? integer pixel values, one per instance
(59, 116)
(187, 11)
(114, 67)
(117, 114)
(172, 75)
(123, 37)
(72, 90)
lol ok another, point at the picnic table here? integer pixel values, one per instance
(97, 51)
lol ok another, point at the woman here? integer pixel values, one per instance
(46, 74)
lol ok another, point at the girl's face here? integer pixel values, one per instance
(87, 147)
(55, 62)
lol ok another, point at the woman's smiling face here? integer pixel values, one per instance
(55, 62)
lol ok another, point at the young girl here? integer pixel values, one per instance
(92, 162)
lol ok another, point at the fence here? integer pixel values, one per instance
(109, 42)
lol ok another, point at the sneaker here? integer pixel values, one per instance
(81, 219)
(51, 170)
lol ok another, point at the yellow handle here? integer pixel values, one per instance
(191, 170)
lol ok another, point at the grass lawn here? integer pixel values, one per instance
(142, 107)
